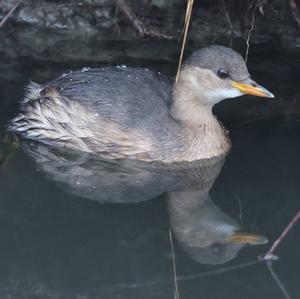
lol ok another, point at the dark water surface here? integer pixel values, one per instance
(72, 226)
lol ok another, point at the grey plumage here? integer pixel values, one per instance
(122, 112)
(113, 111)
(133, 97)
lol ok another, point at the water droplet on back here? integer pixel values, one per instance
(85, 69)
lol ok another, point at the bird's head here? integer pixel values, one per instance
(217, 73)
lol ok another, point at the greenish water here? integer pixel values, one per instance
(58, 241)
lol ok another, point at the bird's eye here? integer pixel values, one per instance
(223, 73)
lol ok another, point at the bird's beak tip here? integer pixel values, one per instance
(252, 88)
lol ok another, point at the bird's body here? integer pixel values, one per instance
(121, 112)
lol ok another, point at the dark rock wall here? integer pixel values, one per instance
(88, 29)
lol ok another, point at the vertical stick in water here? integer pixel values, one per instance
(188, 14)
(270, 254)
(176, 291)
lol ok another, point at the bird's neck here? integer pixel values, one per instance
(190, 105)
(204, 136)
(191, 114)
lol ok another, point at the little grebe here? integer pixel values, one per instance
(125, 112)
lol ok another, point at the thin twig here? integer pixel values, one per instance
(176, 290)
(138, 24)
(10, 13)
(229, 22)
(188, 14)
(116, 23)
(240, 210)
(251, 28)
(131, 16)
(219, 271)
(270, 254)
(277, 280)
(188, 277)
(295, 11)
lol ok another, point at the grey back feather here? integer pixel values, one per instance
(132, 97)
(113, 111)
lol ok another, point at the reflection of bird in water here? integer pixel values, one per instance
(135, 113)
(207, 234)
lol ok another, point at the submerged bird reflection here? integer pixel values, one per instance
(206, 233)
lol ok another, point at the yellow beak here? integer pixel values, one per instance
(247, 239)
(252, 88)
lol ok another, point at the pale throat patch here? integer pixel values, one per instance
(217, 95)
